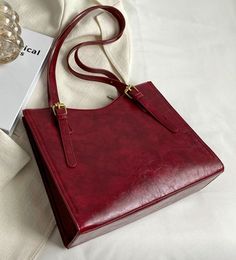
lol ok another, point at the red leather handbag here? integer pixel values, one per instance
(104, 168)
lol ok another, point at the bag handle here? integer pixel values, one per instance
(109, 78)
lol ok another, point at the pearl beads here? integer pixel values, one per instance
(10, 40)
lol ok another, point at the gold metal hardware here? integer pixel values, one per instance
(128, 89)
(58, 105)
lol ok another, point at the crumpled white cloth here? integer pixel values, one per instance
(12, 151)
(26, 219)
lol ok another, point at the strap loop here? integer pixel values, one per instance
(109, 78)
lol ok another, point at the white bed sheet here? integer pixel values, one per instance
(188, 49)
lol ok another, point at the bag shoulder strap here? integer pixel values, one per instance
(109, 78)
(59, 109)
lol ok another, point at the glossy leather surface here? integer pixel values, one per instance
(127, 161)
(104, 168)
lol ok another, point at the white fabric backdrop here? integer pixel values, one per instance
(188, 49)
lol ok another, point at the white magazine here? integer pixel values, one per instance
(18, 78)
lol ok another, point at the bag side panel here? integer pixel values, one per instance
(67, 228)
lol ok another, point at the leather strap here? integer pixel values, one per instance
(66, 133)
(59, 108)
(110, 77)
(148, 105)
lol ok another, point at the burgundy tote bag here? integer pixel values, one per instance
(104, 168)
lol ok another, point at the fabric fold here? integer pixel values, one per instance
(12, 159)
(119, 52)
